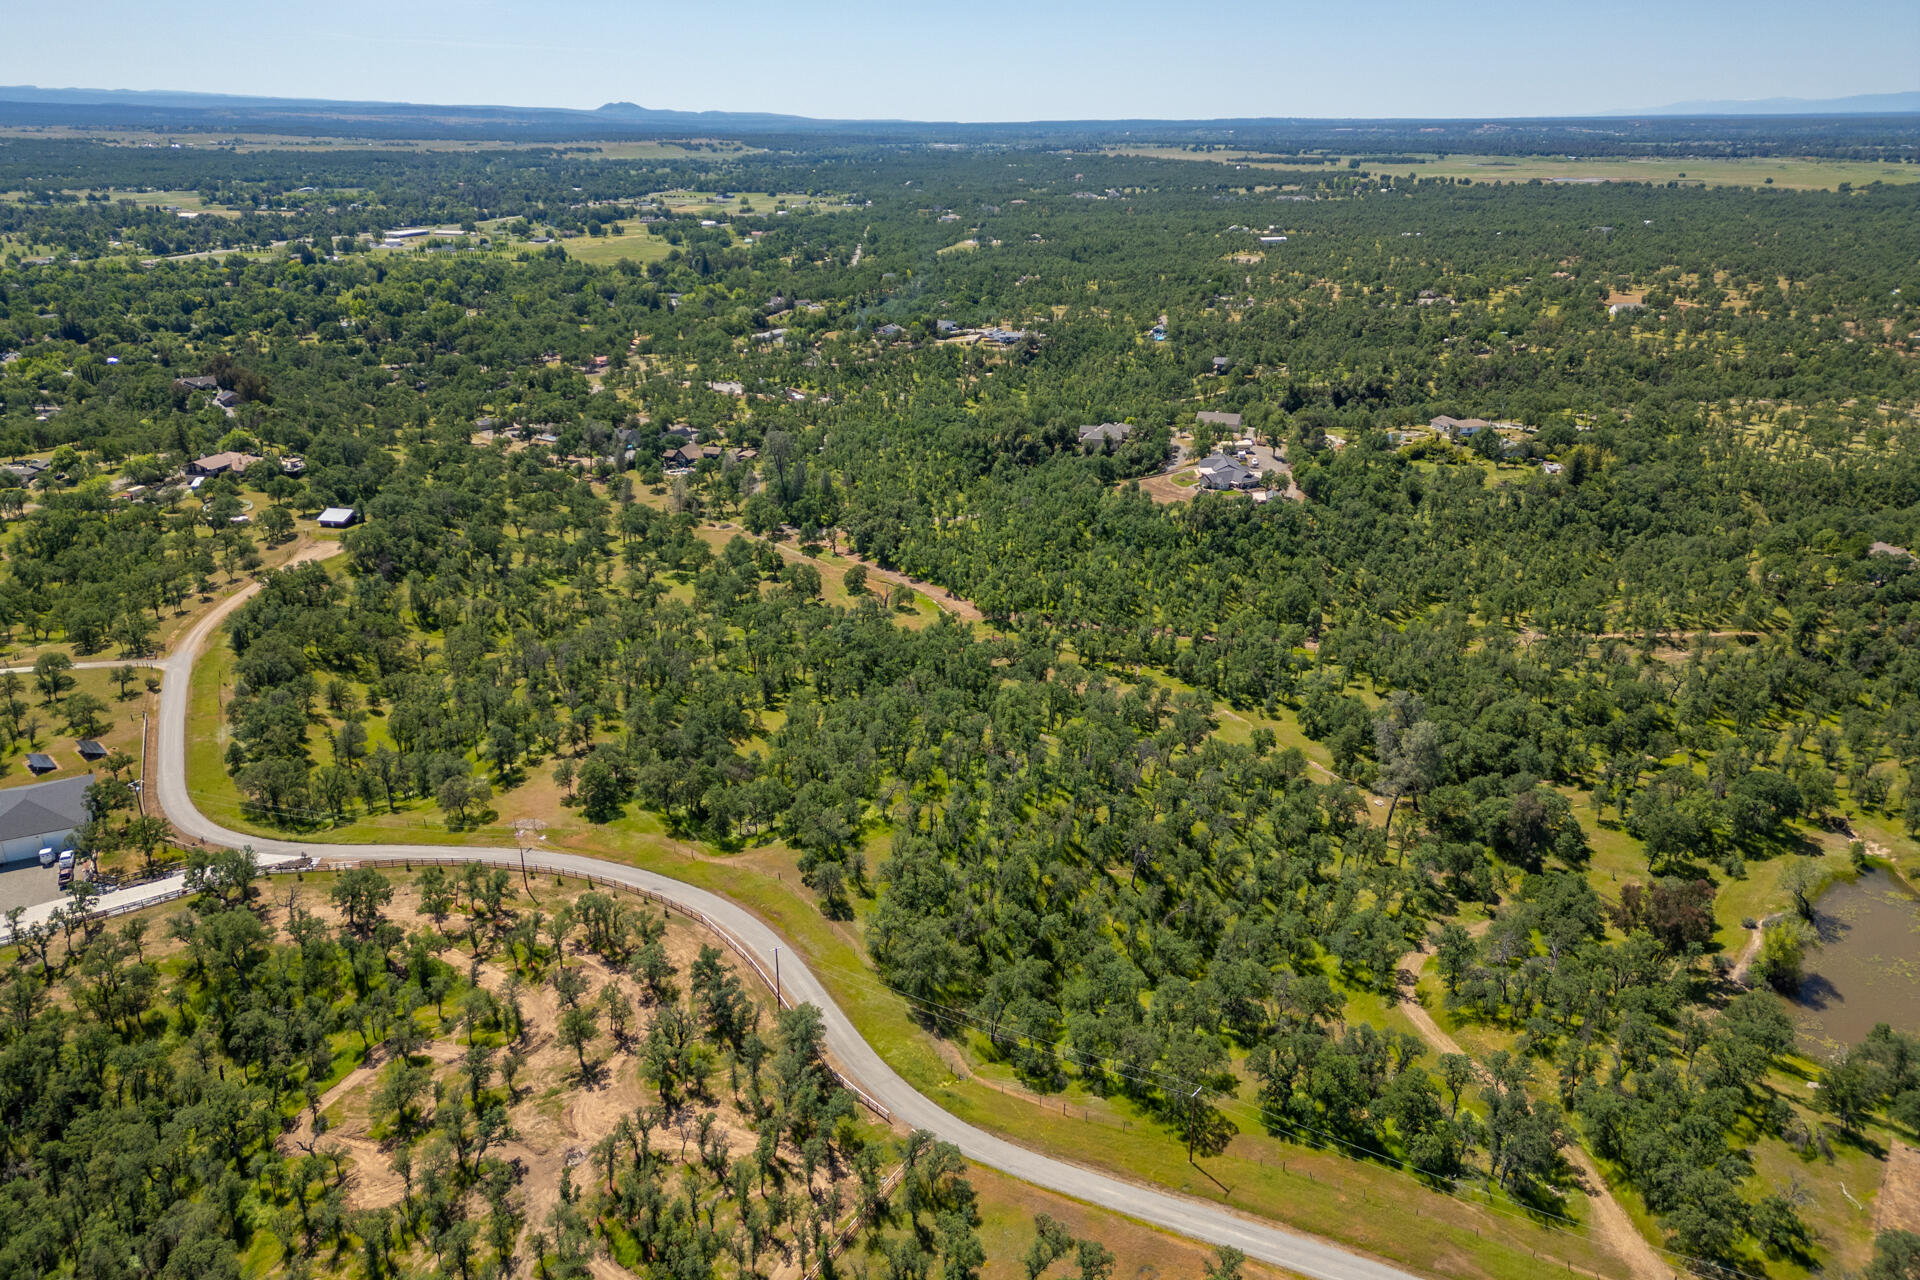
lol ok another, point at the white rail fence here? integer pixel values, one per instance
(155, 899)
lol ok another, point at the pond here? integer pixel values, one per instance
(1866, 968)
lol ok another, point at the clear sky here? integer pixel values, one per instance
(1025, 60)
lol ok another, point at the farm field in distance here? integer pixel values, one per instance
(1796, 173)
(633, 244)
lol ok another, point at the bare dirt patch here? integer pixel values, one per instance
(557, 1116)
(1164, 489)
(1898, 1205)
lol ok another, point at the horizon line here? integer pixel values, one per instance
(610, 110)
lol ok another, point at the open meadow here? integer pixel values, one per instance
(1791, 173)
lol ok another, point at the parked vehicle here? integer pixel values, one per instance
(66, 867)
(46, 856)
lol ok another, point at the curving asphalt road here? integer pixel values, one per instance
(1261, 1240)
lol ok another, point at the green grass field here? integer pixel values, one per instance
(187, 200)
(635, 246)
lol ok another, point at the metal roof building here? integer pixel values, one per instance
(43, 814)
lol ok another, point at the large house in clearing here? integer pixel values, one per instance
(1096, 437)
(1217, 418)
(219, 464)
(1221, 472)
(338, 517)
(1458, 428)
(691, 455)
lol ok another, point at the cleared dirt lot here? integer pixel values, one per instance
(1898, 1208)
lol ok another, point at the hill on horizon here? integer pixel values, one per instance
(1856, 104)
(209, 108)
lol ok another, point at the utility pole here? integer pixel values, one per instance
(1193, 1120)
(526, 830)
(778, 1002)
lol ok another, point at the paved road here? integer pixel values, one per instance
(1261, 1240)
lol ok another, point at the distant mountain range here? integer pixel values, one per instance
(210, 106)
(1859, 104)
(220, 113)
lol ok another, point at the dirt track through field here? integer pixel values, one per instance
(1610, 1220)
(1751, 952)
(943, 598)
(956, 605)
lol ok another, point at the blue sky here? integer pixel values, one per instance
(1032, 59)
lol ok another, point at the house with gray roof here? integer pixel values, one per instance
(34, 817)
(1104, 433)
(1458, 428)
(1219, 472)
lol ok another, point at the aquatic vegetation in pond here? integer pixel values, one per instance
(1866, 968)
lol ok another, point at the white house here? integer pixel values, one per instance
(338, 517)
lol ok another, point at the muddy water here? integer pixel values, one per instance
(1867, 966)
